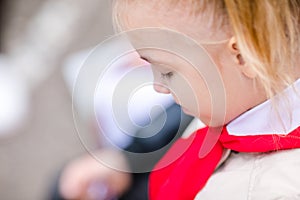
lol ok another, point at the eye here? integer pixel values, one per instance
(166, 75)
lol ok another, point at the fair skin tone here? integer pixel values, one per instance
(81, 173)
(173, 75)
(176, 76)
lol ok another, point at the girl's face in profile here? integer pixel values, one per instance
(175, 75)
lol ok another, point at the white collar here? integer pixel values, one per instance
(263, 120)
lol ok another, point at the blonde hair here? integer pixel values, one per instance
(267, 33)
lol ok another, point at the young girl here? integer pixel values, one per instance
(254, 44)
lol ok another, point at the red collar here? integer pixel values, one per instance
(181, 174)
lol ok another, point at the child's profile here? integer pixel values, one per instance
(255, 46)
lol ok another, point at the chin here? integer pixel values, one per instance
(186, 111)
(207, 120)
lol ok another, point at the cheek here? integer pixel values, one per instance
(191, 94)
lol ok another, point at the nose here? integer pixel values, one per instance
(161, 88)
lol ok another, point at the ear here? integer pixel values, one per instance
(239, 60)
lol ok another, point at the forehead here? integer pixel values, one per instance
(181, 17)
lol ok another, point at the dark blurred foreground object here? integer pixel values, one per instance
(3, 6)
(176, 123)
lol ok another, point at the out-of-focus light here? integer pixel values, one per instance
(14, 100)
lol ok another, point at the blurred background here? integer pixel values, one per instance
(37, 132)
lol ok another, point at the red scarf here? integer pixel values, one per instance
(183, 178)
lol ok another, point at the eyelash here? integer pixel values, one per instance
(167, 75)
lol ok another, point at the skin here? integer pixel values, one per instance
(174, 75)
(81, 173)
